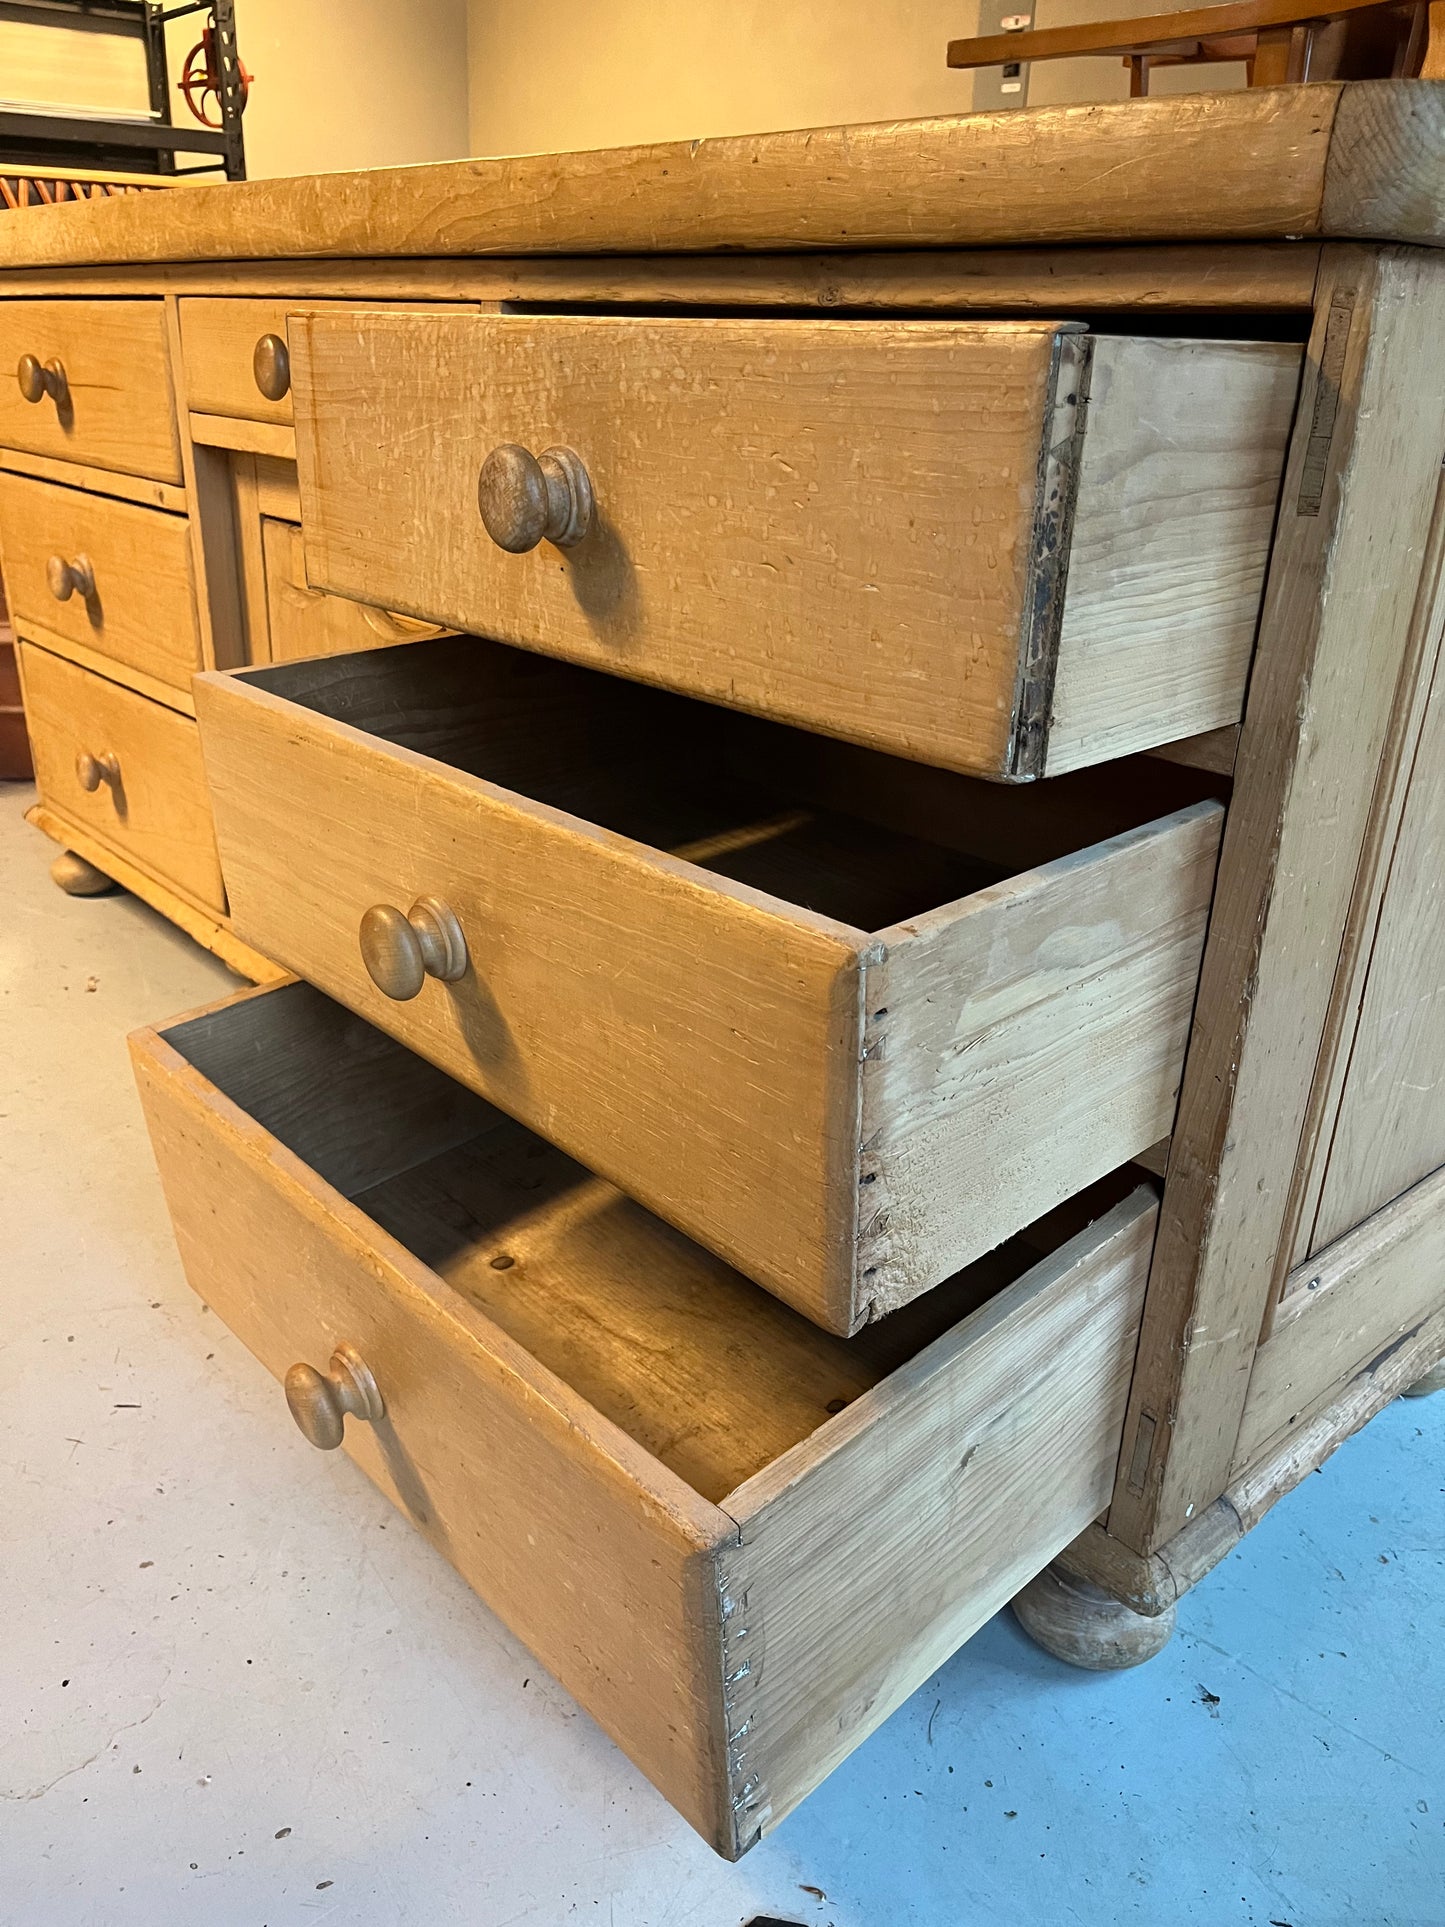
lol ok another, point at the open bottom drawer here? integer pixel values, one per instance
(847, 1021)
(739, 1541)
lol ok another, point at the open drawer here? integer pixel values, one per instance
(739, 1541)
(1007, 547)
(847, 1021)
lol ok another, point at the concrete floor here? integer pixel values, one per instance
(234, 1689)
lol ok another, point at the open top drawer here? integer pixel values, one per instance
(848, 1021)
(1010, 548)
(739, 1541)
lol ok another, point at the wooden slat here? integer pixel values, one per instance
(248, 437)
(1228, 166)
(1021, 1044)
(100, 481)
(1224, 278)
(1360, 486)
(867, 1555)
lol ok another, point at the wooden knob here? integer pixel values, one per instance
(65, 579)
(37, 381)
(92, 771)
(319, 1401)
(271, 365)
(401, 952)
(526, 499)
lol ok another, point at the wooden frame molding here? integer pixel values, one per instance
(1387, 1268)
(1361, 483)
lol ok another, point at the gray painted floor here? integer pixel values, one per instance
(234, 1689)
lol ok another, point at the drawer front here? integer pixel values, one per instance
(116, 410)
(862, 527)
(844, 1571)
(308, 622)
(917, 1092)
(156, 811)
(219, 342)
(105, 574)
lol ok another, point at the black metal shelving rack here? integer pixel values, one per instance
(59, 139)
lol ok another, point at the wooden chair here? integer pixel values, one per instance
(1280, 41)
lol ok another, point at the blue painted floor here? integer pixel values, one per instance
(235, 1690)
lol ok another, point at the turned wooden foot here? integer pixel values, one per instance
(1431, 1382)
(1078, 1623)
(77, 878)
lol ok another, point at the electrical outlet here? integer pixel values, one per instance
(996, 88)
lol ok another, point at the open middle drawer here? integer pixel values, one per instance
(847, 1021)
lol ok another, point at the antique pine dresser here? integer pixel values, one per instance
(841, 732)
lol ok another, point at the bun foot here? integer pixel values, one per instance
(77, 878)
(1084, 1626)
(1431, 1382)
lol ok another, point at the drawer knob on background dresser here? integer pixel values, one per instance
(92, 771)
(271, 365)
(319, 1401)
(401, 952)
(65, 579)
(37, 380)
(526, 499)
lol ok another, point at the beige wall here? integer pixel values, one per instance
(351, 83)
(556, 74)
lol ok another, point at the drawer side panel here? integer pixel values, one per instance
(603, 1578)
(1183, 455)
(866, 1558)
(1024, 1043)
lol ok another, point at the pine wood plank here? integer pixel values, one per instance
(1251, 165)
(1277, 276)
(100, 481)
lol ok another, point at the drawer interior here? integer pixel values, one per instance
(711, 1375)
(856, 835)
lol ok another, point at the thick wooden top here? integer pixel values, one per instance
(1358, 159)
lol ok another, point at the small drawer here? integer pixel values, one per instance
(308, 622)
(236, 357)
(106, 395)
(739, 1542)
(104, 574)
(723, 962)
(1007, 548)
(125, 768)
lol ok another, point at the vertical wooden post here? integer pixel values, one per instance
(1359, 491)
